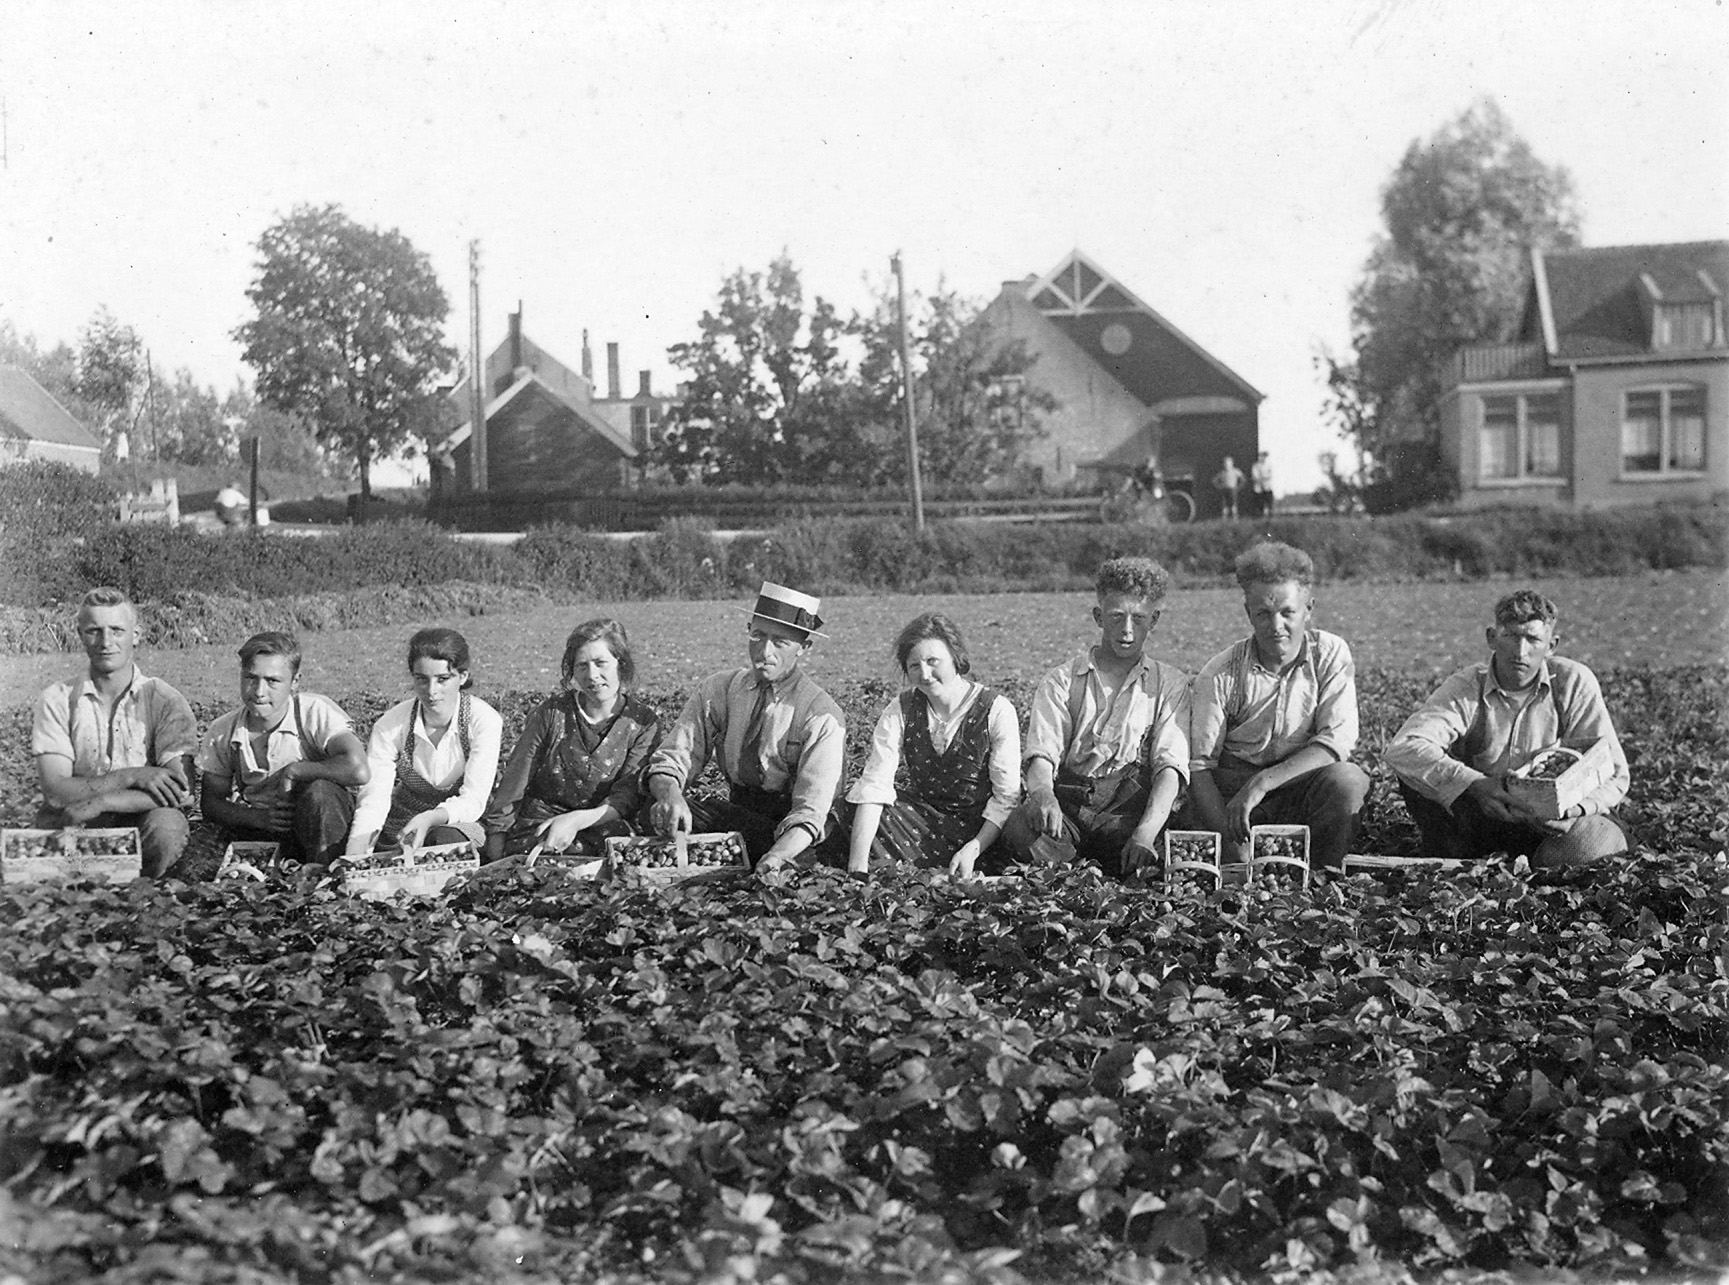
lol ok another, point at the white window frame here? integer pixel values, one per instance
(1522, 443)
(1663, 472)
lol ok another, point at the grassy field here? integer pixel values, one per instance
(1658, 619)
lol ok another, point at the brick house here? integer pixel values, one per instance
(544, 432)
(1129, 385)
(34, 426)
(1615, 390)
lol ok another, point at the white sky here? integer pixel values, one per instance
(1223, 160)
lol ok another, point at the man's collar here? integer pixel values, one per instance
(1090, 661)
(1303, 649)
(1544, 677)
(87, 685)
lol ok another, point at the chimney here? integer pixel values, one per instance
(587, 360)
(612, 373)
(516, 339)
(642, 388)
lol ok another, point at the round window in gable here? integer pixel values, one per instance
(1116, 339)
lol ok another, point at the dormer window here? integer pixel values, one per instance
(1683, 327)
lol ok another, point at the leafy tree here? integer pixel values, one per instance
(766, 381)
(110, 378)
(1462, 211)
(56, 368)
(976, 410)
(348, 333)
(772, 396)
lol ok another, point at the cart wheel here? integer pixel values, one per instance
(1179, 506)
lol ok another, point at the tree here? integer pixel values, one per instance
(348, 333)
(772, 396)
(110, 378)
(976, 410)
(766, 384)
(1462, 211)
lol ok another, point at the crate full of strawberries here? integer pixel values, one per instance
(103, 856)
(717, 855)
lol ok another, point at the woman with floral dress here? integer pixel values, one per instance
(944, 770)
(574, 777)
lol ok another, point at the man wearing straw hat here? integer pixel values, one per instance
(778, 738)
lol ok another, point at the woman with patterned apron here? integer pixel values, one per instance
(433, 757)
(944, 770)
(574, 776)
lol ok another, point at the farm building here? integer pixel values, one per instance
(1129, 385)
(34, 426)
(546, 432)
(1614, 391)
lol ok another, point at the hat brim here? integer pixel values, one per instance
(754, 614)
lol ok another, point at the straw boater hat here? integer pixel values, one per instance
(788, 607)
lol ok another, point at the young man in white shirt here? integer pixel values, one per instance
(1453, 756)
(1107, 742)
(114, 747)
(284, 765)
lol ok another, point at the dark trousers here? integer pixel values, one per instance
(753, 813)
(1328, 800)
(1465, 833)
(1099, 816)
(323, 812)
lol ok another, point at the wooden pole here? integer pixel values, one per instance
(907, 396)
(476, 377)
(252, 503)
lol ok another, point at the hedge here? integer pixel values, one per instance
(57, 538)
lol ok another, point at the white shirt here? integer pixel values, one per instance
(876, 784)
(442, 765)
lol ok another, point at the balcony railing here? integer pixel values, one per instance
(1482, 363)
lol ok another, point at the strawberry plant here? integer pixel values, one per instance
(825, 1075)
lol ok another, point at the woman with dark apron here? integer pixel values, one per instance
(574, 776)
(944, 770)
(434, 757)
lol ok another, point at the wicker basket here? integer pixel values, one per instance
(1550, 797)
(1192, 852)
(1279, 849)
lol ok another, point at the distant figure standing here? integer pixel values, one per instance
(1261, 487)
(1227, 482)
(231, 506)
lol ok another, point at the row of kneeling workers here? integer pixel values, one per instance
(1118, 746)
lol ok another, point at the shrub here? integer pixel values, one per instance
(45, 508)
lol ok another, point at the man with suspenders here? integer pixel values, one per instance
(1274, 719)
(283, 766)
(1107, 741)
(114, 747)
(1453, 755)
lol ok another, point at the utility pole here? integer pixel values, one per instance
(907, 396)
(476, 377)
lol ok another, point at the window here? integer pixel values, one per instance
(1521, 437)
(1663, 430)
(644, 425)
(1686, 325)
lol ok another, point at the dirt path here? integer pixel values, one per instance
(1660, 618)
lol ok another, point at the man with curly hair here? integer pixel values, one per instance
(1273, 719)
(1454, 755)
(1107, 750)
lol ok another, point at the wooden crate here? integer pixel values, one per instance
(1550, 798)
(720, 854)
(1279, 848)
(422, 873)
(1369, 863)
(250, 859)
(102, 855)
(1192, 852)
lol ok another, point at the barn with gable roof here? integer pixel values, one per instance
(1130, 386)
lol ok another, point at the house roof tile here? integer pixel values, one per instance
(1598, 298)
(29, 411)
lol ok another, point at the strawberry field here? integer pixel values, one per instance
(828, 1077)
